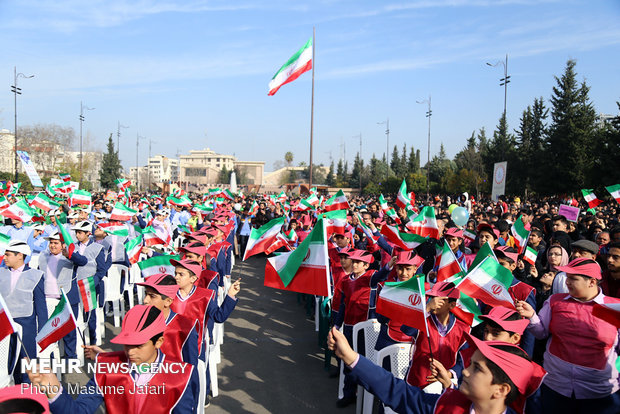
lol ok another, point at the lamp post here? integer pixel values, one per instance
(360, 160)
(118, 138)
(138, 138)
(505, 80)
(17, 91)
(387, 146)
(429, 113)
(82, 108)
(148, 165)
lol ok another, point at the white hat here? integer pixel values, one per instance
(100, 214)
(38, 226)
(83, 226)
(54, 235)
(19, 246)
(73, 215)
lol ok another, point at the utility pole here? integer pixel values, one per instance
(429, 113)
(138, 138)
(118, 139)
(148, 164)
(17, 91)
(82, 107)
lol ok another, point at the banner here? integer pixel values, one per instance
(499, 179)
(571, 213)
(29, 168)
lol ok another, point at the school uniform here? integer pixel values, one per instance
(181, 339)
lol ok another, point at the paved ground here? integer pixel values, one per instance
(271, 359)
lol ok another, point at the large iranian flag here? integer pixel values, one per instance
(335, 221)
(157, 264)
(406, 241)
(80, 197)
(61, 322)
(44, 203)
(484, 252)
(448, 267)
(263, 237)
(299, 63)
(424, 223)
(614, 190)
(88, 295)
(488, 282)
(114, 229)
(337, 202)
(305, 269)
(520, 233)
(591, 198)
(19, 211)
(402, 199)
(121, 212)
(279, 242)
(404, 302)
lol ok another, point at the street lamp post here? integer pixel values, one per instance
(429, 113)
(387, 146)
(82, 108)
(138, 138)
(118, 138)
(505, 80)
(17, 91)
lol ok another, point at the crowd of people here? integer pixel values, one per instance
(545, 352)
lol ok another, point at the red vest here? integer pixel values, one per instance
(172, 386)
(356, 298)
(445, 350)
(206, 276)
(175, 336)
(577, 336)
(452, 402)
(195, 308)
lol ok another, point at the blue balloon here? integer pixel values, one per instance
(460, 215)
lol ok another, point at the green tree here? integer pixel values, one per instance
(288, 157)
(606, 147)
(412, 165)
(403, 162)
(110, 167)
(395, 162)
(224, 177)
(502, 148)
(330, 179)
(571, 135)
(439, 168)
(357, 172)
(529, 139)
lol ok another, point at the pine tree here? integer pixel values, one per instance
(403, 162)
(395, 163)
(330, 179)
(411, 164)
(417, 161)
(110, 167)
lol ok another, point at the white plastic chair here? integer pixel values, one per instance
(202, 378)
(399, 355)
(34, 261)
(83, 330)
(371, 329)
(113, 291)
(6, 369)
(135, 275)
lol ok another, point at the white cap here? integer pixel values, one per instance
(83, 226)
(38, 226)
(100, 214)
(73, 215)
(54, 235)
(19, 246)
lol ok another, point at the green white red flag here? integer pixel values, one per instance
(279, 242)
(60, 323)
(157, 264)
(424, 224)
(609, 312)
(488, 282)
(383, 203)
(263, 237)
(402, 199)
(18, 211)
(182, 201)
(4, 243)
(391, 213)
(80, 197)
(121, 212)
(114, 229)
(521, 233)
(530, 255)
(291, 236)
(405, 241)
(372, 239)
(65, 177)
(4, 203)
(44, 203)
(305, 269)
(467, 310)
(14, 189)
(297, 64)
(614, 190)
(122, 183)
(337, 202)
(484, 252)
(253, 208)
(449, 267)
(66, 238)
(404, 302)
(88, 295)
(7, 325)
(335, 221)
(591, 198)
(133, 248)
(151, 238)
(469, 235)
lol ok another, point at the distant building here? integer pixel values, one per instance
(7, 151)
(163, 169)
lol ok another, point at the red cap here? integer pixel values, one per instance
(133, 331)
(220, 227)
(16, 399)
(361, 255)
(583, 267)
(202, 238)
(511, 255)
(154, 281)
(499, 315)
(454, 232)
(408, 258)
(487, 227)
(196, 248)
(444, 289)
(346, 251)
(190, 265)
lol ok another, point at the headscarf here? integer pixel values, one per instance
(563, 261)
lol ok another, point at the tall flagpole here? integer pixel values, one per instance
(312, 109)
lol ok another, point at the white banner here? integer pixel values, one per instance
(499, 179)
(29, 168)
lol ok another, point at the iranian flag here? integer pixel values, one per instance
(4, 242)
(14, 189)
(44, 203)
(424, 224)
(4, 187)
(404, 302)
(406, 241)
(64, 187)
(80, 197)
(121, 212)
(228, 195)
(253, 208)
(157, 264)
(19, 211)
(383, 203)
(122, 183)
(337, 202)
(335, 221)
(391, 213)
(590, 197)
(299, 63)
(151, 238)
(279, 242)
(88, 295)
(203, 208)
(484, 252)
(520, 233)
(291, 236)
(115, 229)
(4, 203)
(263, 237)
(7, 326)
(372, 239)
(530, 255)
(467, 310)
(312, 200)
(133, 248)
(281, 197)
(402, 199)
(66, 238)
(609, 312)
(305, 269)
(304, 206)
(61, 322)
(65, 177)
(469, 235)
(448, 265)
(182, 201)
(614, 190)
(488, 282)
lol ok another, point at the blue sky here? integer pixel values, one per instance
(190, 74)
